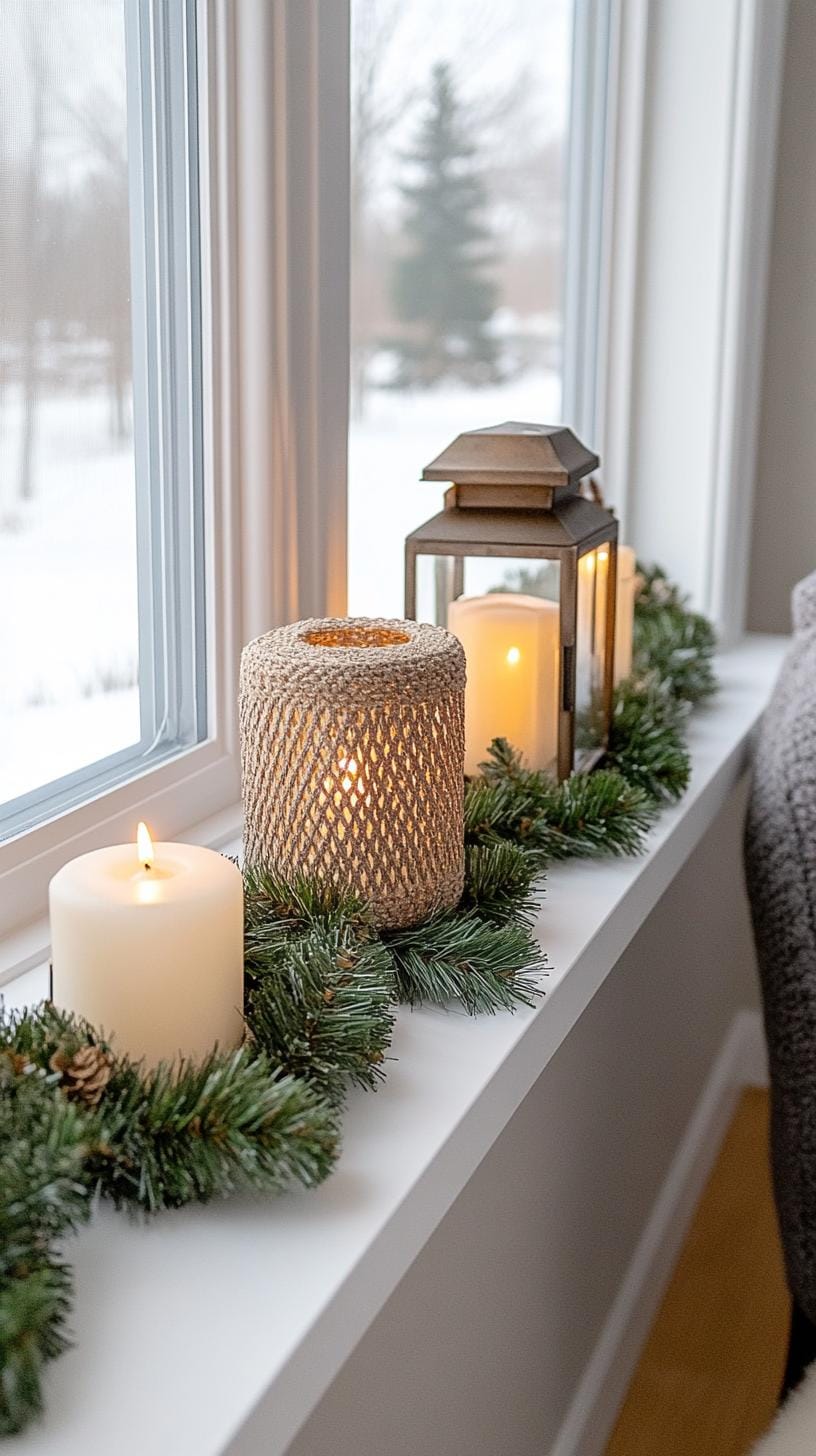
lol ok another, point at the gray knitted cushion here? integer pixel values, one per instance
(780, 859)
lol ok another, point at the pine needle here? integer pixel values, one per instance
(319, 982)
(458, 957)
(198, 1132)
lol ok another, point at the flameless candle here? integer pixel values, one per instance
(625, 611)
(147, 944)
(511, 646)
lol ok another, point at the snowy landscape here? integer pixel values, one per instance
(68, 599)
(457, 205)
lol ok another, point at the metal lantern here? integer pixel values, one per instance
(522, 568)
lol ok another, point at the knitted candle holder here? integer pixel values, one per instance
(352, 751)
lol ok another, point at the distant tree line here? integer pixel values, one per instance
(64, 241)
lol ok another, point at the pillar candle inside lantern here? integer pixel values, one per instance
(511, 646)
(625, 612)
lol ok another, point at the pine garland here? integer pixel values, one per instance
(321, 986)
(153, 1140)
(319, 982)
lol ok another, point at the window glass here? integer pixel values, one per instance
(68, 578)
(102, 652)
(459, 125)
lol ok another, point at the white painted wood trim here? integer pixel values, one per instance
(620, 247)
(600, 1393)
(756, 107)
(205, 780)
(684, 281)
(291, 127)
(592, 59)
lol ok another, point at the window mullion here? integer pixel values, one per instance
(168, 357)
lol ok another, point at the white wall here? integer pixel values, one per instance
(784, 527)
(481, 1348)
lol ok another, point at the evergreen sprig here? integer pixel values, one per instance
(160, 1137)
(458, 957)
(197, 1132)
(319, 982)
(673, 645)
(44, 1194)
(596, 815)
(647, 741)
(499, 879)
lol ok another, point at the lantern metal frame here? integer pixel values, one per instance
(515, 493)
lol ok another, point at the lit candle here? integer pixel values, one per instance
(147, 944)
(511, 646)
(625, 611)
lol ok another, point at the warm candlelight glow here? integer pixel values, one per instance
(625, 611)
(144, 845)
(511, 646)
(352, 782)
(348, 767)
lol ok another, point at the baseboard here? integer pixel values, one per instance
(588, 1424)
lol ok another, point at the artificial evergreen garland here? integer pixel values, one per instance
(321, 986)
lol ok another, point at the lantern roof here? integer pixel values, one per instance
(571, 522)
(514, 453)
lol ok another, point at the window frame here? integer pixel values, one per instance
(274, 186)
(174, 789)
(684, 268)
(164, 205)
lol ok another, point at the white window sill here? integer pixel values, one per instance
(218, 1329)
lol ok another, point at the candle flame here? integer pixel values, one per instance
(144, 845)
(513, 656)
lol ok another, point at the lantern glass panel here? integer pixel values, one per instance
(435, 588)
(591, 629)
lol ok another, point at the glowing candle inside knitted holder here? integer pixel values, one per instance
(352, 752)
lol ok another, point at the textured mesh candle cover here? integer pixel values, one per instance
(352, 750)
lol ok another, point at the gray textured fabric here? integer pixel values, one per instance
(780, 860)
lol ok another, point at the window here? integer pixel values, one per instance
(102, 649)
(458, 217)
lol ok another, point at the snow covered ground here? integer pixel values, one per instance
(68, 600)
(68, 591)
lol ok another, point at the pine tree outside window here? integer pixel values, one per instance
(458, 221)
(442, 285)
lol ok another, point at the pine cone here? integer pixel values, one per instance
(85, 1075)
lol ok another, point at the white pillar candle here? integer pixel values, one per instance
(625, 611)
(511, 646)
(147, 944)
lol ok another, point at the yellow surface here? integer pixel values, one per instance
(709, 1377)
